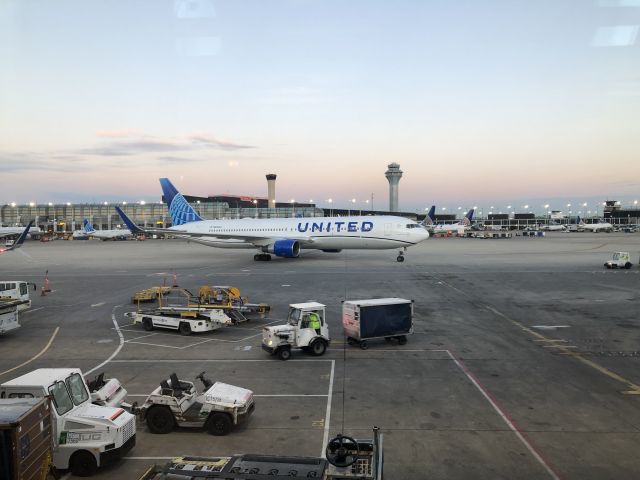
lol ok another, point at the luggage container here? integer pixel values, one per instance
(25, 438)
(388, 318)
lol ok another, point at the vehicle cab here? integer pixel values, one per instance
(85, 436)
(306, 328)
(619, 260)
(16, 290)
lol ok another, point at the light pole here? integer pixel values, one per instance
(353, 202)
(330, 207)
(293, 208)
(255, 204)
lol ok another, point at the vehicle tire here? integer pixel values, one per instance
(83, 464)
(627, 265)
(219, 424)
(400, 258)
(184, 328)
(351, 341)
(256, 258)
(284, 353)
(147, 324)
(318, 347)
(364, 345)
(160, 420)
(402, 340)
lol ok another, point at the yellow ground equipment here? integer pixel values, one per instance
(229, 297)
(149, 294)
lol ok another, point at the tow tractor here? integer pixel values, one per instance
(177, 403)
(345, 458)
(297, 332)
(619, 260)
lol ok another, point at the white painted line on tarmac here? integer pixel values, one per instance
(155, 345)
(141, 336)
(505, 417)
(327, 417)
(97, 304)
(285, 285)
(116, 351)
(31, 310)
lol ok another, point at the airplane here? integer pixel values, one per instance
(554, 227)
(18, 243)
(285, 237)
(7, 231)
(595, 227)
(465, 224)
(104, 234)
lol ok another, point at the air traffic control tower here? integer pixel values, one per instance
(393, 174)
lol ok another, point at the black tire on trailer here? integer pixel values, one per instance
(184, 328)
(219, 424)
(83, 464)
(160, 420)
(351, 341)
(147, 324)
(363, 344)
(402, 339)
(284, 353)
(318, 347)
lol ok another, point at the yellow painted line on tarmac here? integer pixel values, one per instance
(632, 388)
(35, 357)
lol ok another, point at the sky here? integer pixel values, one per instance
(480, 102)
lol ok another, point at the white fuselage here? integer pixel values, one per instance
(595, 227)
(7, 231)
(553, 228)
(321, 233)
(109, 234)
(448, 227)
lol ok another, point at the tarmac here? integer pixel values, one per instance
(523, 363)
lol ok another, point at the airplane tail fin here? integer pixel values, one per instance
(468, 218)
(133, 228)
(180, 210)
(88, 228)
(580, 221)
(430, 219)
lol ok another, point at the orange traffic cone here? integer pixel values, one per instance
(47, 286)
(42, 292)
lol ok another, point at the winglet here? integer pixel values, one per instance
(18, 243)
(179, 209)
(133, 228)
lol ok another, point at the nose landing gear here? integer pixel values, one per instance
(400, 257)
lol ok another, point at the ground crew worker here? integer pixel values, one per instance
(314, 322)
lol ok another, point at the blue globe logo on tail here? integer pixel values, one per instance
(179, 209)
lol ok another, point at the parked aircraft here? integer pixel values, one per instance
(595, 227)
(115, 234)
(8, 231)
(554, 227)
(18, 243)
(465, 224)
(285, 237)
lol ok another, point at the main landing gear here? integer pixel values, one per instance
(262, 257)
(400, 257)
